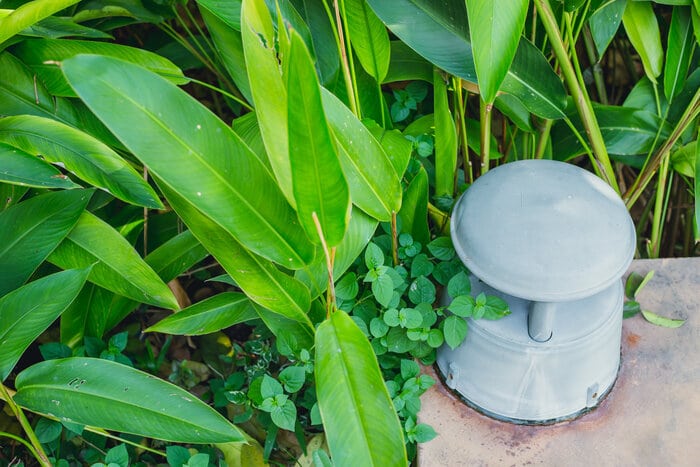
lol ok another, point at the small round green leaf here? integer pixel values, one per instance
(455, 330)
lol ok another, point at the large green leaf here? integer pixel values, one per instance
(642, 30)
(605, 22)
(414, 212)
(320, 188)
(256, 276)
(97, 310)
(533, 82)
(679, 51)
(55, 27)
(106, 394)
(26, 312)
(495, 30)
(374, 186)
(20, 168)
(28, 14)
(436, 30)
(44, 55)
(80, 153)
(268, 88)
(322, 37)
(209, 315)
(30, 230)
(407, 65)
(12, 194)
(369, 38)
(359, 419)
(117, 266)
(626, 132)
(193, 151)
(445, 139)
(439, 32)
(223, 20)
(21, 94)
(397, 147)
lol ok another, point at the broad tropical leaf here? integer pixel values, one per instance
(98, 392)
(21, 94)
(445, 139)
(26, 312)
(439, 32)
(188, 147)
(359, 419)
(533, 82)
(626, 132)
(80, 153)
(642, 30)
(31, 230)
(369, 38)
(414, 212)
(261, 281)
(28, 14)
(223, 20)
(318, 183)
(117, 266)
(605, 22)
(395, 145)
(407, 65)
(20, 168)
(313, 14)
(374, 186)
(97, 310)
(44, 57)
(679, 51)
(209, 315)
(268, 88)
(495, 32)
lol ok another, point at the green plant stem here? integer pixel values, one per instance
(657, 218)
(649, 169)
(39, 451)
(460, 106)
(329, 254)
(544, 137)
(242, 102)
(578, 92)
(598, 77)
(345, 63)
(394, 239)
(485, 117)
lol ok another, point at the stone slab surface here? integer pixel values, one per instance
(650, 418)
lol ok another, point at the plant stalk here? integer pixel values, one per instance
(657, 219)
(578, 92)
(329, 254)
(394, 239)
(344, 62)
(544, 137)
(485, 117)
(598, 77)
(39, 451)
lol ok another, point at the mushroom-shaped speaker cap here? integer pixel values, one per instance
(543, 230)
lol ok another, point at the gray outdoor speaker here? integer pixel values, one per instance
(553, 240)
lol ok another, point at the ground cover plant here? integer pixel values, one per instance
(224, 228)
